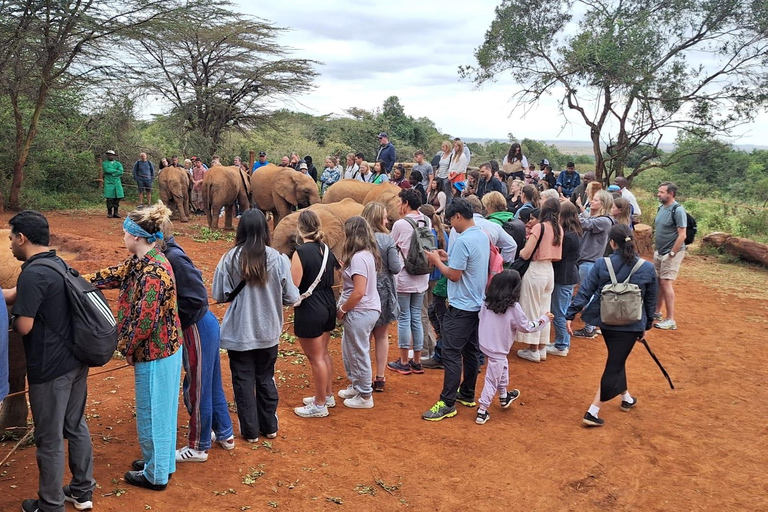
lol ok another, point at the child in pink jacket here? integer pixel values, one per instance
(500, 318)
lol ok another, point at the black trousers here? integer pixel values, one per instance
(614, 380)
(436, 312)
(112, 203)
(460, 345)
(253, 381)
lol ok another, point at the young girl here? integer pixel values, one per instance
(250, 330)
(501, 318)
(331, 173)
(376, 215)
(315, 317)
(436, 196)
(149, 337)
(379, 173)
(359, 308)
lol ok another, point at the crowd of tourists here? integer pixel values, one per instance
(474, 264)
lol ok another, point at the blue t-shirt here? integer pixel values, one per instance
(258, 164)
(470, 252)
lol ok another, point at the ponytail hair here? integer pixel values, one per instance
(309, 227)
(622, 236)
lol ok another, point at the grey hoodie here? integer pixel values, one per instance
(595, 237)
(254, 319)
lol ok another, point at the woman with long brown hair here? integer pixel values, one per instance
(256, 279)
(314, 318)
(359, 308)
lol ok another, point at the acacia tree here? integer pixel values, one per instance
(632, 68)
(217, 69)
(47, 45)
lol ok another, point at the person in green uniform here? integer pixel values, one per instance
(113, 187)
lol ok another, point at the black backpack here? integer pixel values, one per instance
(94, 329)
(516, 229)
(690, 229)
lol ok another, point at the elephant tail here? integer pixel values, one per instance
(207, 196)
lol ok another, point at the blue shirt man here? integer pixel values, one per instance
(261, 162)
(568, 180)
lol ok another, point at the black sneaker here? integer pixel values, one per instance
(506, 401)
(416, 368)
(482, 417)
(432, 364)
(466, 401)
(138, 479)
(137, 465)
(627, 406)
(29, 506)
(592, 421)
(84, 502)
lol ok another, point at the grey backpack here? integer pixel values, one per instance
(422, 240)
(621, 303)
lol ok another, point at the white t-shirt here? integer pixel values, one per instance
(350, 171)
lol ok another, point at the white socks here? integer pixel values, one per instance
(593, 410)
(627, 397)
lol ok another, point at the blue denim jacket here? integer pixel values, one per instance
(645, 278)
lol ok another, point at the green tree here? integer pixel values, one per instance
(218, 69)
(632, 67)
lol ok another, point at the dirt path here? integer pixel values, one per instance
(699, 447)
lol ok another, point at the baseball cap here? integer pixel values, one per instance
(383, 134)
(110, 152)
(303, 165)
(262, 153)
(544, 162)
(614, 188)
(459, 186)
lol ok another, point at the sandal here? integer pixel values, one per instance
(379, 383)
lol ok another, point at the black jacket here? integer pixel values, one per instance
(567, 269)
(190, 290)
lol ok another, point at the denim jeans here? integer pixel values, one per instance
(561, 299)
(584, 269)
(409, 326)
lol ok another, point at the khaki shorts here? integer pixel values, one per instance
(666, 267)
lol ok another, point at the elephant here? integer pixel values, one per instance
(332, 218)
(355, 189)
(277, 189)
(388, 195)
(174, 191)
(222, 186)
(14, 410)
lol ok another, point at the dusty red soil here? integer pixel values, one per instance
(699, 447)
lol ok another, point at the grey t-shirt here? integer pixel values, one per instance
(666, 227)
(426, 170)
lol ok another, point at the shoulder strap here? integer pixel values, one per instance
(231, 295)
(612, 273)
(412, 222)
(319, 275)
(639, 264)
(47, 262)
(538, 242)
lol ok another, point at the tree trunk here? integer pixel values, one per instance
(24, 139)
(599, 160)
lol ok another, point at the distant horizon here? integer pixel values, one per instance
(555, 142)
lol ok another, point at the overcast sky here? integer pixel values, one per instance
(372, 49)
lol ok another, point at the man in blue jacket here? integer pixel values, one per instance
(568, 180)
(386, 152)
(143, 175)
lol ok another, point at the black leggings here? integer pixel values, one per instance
(614, 379)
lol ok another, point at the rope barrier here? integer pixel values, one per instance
(20, 393)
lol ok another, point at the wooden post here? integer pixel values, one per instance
(251, 159)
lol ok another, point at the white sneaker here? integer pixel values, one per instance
(330, 400)
(551, 349)
(349, 392)
(667, 325)
(543, 354)
(358, 402)
(228, 443)
(529, 355)
(312, 410)
(188, 454)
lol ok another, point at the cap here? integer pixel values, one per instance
(383, 135)
(262, 153)
(459, 186)
(303, 165)
(544, 162)
(614, 188)
(110, 152)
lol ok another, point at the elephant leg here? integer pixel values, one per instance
(185, 203)
(179, 205)
(228, 216)
(213, 215)
(282, 209)
(14, 410)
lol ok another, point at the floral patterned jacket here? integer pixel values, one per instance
(147, 314)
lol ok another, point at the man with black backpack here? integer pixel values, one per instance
(57, 379)
(670, 226)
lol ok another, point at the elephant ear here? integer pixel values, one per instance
(286, 185)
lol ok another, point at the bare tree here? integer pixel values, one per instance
(216, 69)
(49, 44)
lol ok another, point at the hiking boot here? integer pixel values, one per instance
(358, 402)
(330, 401)
(378, 384)
(466, 401)
(432, 364)
(592, 421)
(439, 411)
(84, 502)
(667, 325)
(510, 397)
(349, 392)
(585, 333)
(551, 349)
(312, 410)
(627, 406)
(415, 367)
(188, 454)
(482, 417)
(529, 355)
(397, 366)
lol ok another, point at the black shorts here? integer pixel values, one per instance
(144, 184)
(311, 320)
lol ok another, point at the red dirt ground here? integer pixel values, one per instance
(699, 447)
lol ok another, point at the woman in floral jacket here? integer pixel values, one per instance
(149, 336)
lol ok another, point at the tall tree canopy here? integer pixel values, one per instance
(216, 69)
(632, 68)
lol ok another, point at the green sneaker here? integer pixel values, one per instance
(439, 411)
(466, 401)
